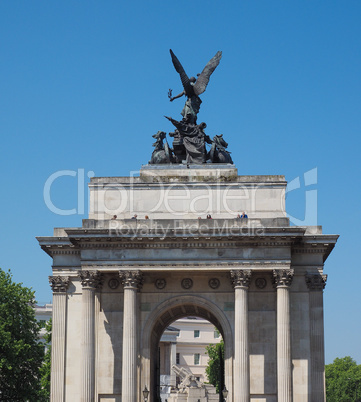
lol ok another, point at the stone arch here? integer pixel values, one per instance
(167, 312)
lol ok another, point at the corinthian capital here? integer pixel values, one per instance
(131, 279)
(91, 279)
(241, 277)
(59, 283)
(315, 281)
(282, 277)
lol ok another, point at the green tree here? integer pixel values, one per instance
(343, 380)
(215, 366)
(45, 369)
(21, 354)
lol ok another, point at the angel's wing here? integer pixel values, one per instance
(202, 81)
(183, 76)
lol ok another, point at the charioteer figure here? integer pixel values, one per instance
(194, 139)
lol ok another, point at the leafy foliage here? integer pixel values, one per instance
(343, 380)
(215, 366)
(45, 369)
(21, 354)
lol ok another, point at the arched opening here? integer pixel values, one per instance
(184, 352)
(163, 317)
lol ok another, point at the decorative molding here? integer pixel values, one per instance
(91, 279)
(113, 283)
(186, 243)
(160, 283)
(58, 252)
(315, 281)
(260, 265)
(241, 277)
(283, 277)
(214, 283)
(187, 283)
(59, 283)
(131, 279)
(261, 283)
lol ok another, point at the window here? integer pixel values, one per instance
(216, 333)
(177, 358)
(196, 358)
(196, 333)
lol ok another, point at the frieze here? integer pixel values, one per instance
(282, 277)
(241, 277)
(315, 281)
(131, 279)
(91, 279)
(59, 283)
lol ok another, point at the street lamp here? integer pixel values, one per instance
(145, 393)
(225, 393)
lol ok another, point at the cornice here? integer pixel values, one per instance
(83, 239)
(322, 244)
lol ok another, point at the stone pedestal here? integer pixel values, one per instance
(192, 394)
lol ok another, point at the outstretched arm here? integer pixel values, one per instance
(174, 122)
(177, 96)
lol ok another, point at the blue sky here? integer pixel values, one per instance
(84, 86)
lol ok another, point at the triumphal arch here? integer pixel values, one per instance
(148, 255)
(119, 282)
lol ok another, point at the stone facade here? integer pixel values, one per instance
(124, 281)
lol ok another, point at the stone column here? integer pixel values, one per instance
(316, 283)
(132, 281)
(90, 280)
(241, 280)
(173, 360)
(282, 280)
(59, 285)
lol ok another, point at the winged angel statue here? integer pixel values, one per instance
(194, 87)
